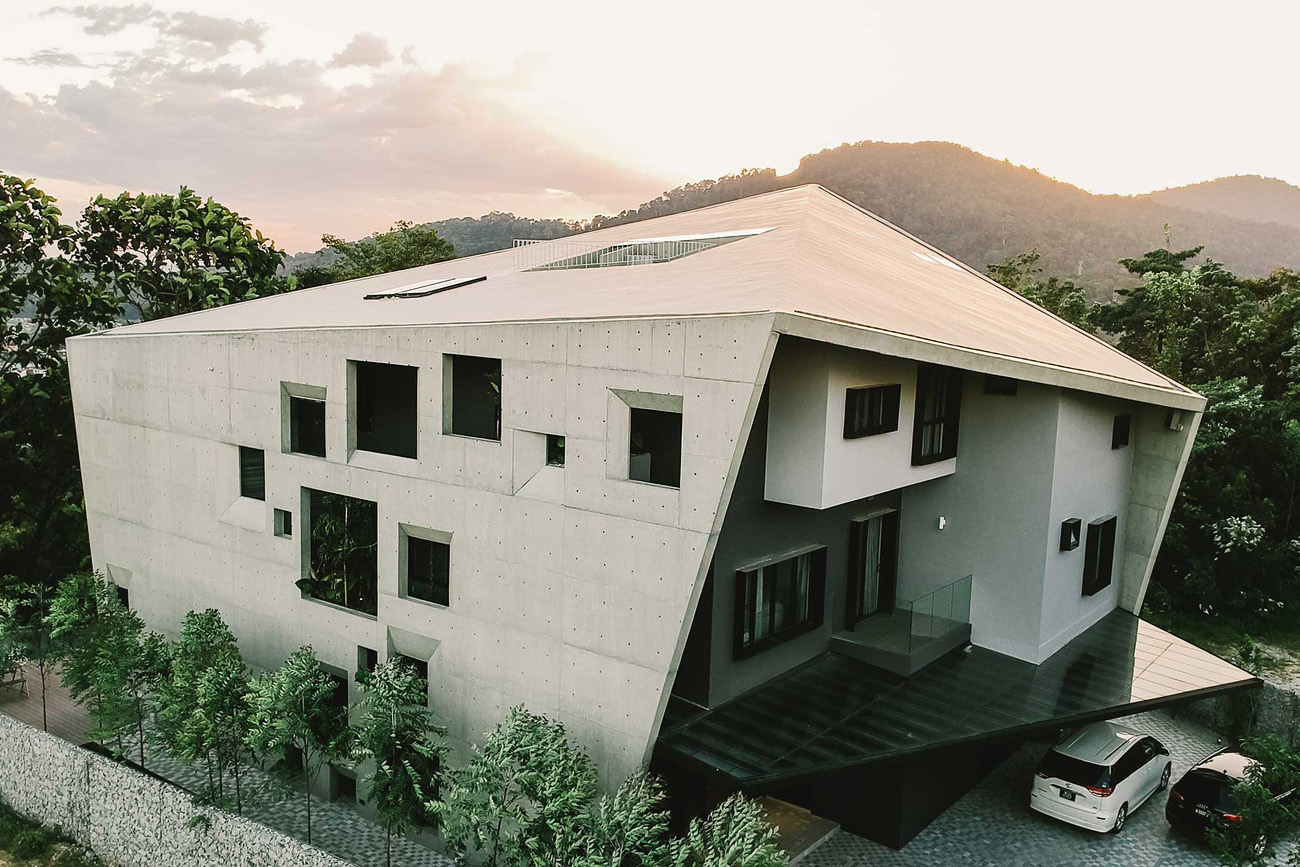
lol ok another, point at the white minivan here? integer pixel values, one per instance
(1098, 774)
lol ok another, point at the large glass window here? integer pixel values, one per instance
(938, 405)
(779, 600)
(386, 408)
(472, 396)
(343, 566)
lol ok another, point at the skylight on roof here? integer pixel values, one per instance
(425, 288)
(566, 254)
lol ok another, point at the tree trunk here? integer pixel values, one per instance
(306, 771)
(388, 846)
(239, 797)
(45, 714)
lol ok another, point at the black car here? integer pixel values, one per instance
(1204, 796)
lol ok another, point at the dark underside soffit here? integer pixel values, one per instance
(835, 713)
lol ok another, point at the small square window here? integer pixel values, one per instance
(870, 411)
(1004, 386)
(428, 570)
(1119, 432)
(283, 523)
(367, 659)
(1070, 530)
(554, 450)
(655, 447)
(252, 473)
(307, 426)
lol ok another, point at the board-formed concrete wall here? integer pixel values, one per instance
(128, 817)
(572, 598)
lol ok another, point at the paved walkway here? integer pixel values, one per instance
(992, 825)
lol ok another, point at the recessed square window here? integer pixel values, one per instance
(428, 570)
(123, 596)
(1119, 432)
(283, 523)
(871, 410)
(252, 473)
(421, 667)
(471, 396)
(1004, 386)
(1070, 531)
(1099, 555)
(307, 426)
(655, 447)
(385, 408)
(367, 659)
(554, 450)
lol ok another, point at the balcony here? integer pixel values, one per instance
(915, 634)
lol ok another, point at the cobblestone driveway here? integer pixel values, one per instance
(992, 825)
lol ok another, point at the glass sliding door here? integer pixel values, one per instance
(873, 566)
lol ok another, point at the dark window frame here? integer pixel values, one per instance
(1121, 431)
(1099, 555)
(252, 473)
(870, 410)
(303, 413)
(438, 577)
(380, 403)
(746, 639)
(937, 415)
(555, 450)
(1071, 533)
(672, 476)
(470, 421)
(284, 523)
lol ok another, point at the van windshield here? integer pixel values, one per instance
(1075, 771)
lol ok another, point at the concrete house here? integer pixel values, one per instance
(770, 493)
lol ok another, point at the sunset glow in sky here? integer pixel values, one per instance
(312, 116)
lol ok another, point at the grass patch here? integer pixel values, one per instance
(26, 843)
(1223, 633)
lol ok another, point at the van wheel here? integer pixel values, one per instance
(1120, 818)
(1164, 780)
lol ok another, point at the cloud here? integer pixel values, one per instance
(203, 35)
(48, 57)
(276, 142)
(365, 49)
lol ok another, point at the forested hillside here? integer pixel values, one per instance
(1248, 197)
(979, 209)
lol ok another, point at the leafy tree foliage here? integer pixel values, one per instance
(293, 707)
(111, 664)
(735, 834)
(166, 254)
(397, 732)
(405, 245)
(1262, 819)
(26, 630)
(1023, 274)
(522, 797)
(629, 828)
(203, 711)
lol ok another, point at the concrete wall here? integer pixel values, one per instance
(127, 817)
(809, 462)
(574, 600)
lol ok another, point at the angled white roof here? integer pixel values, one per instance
(830, 269)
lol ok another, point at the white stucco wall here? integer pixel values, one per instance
(809, 462)
(574, 605)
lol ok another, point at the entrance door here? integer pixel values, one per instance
(873, 566)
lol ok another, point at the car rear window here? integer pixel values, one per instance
(1074, 770)
(1207, 787)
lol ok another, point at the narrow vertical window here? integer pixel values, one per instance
(428, 570)
(307, 426)
(1120, 430)
(1099, 555)
(252, 473)
(938, 406)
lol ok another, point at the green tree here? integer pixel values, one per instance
(166, 254)
(111, 664)
(735, 834)
(405, 245)
(203, 702)
(524, 796)
(629, 828)
(25, 625)
(1023, 274)
(44, 300)
(1262, 819)
(396, 731)
(293, 707)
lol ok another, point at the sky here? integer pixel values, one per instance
(316, 116)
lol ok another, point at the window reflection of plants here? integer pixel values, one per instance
(343, 567)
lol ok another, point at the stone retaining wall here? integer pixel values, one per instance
(1277, 712)
(130, 818)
